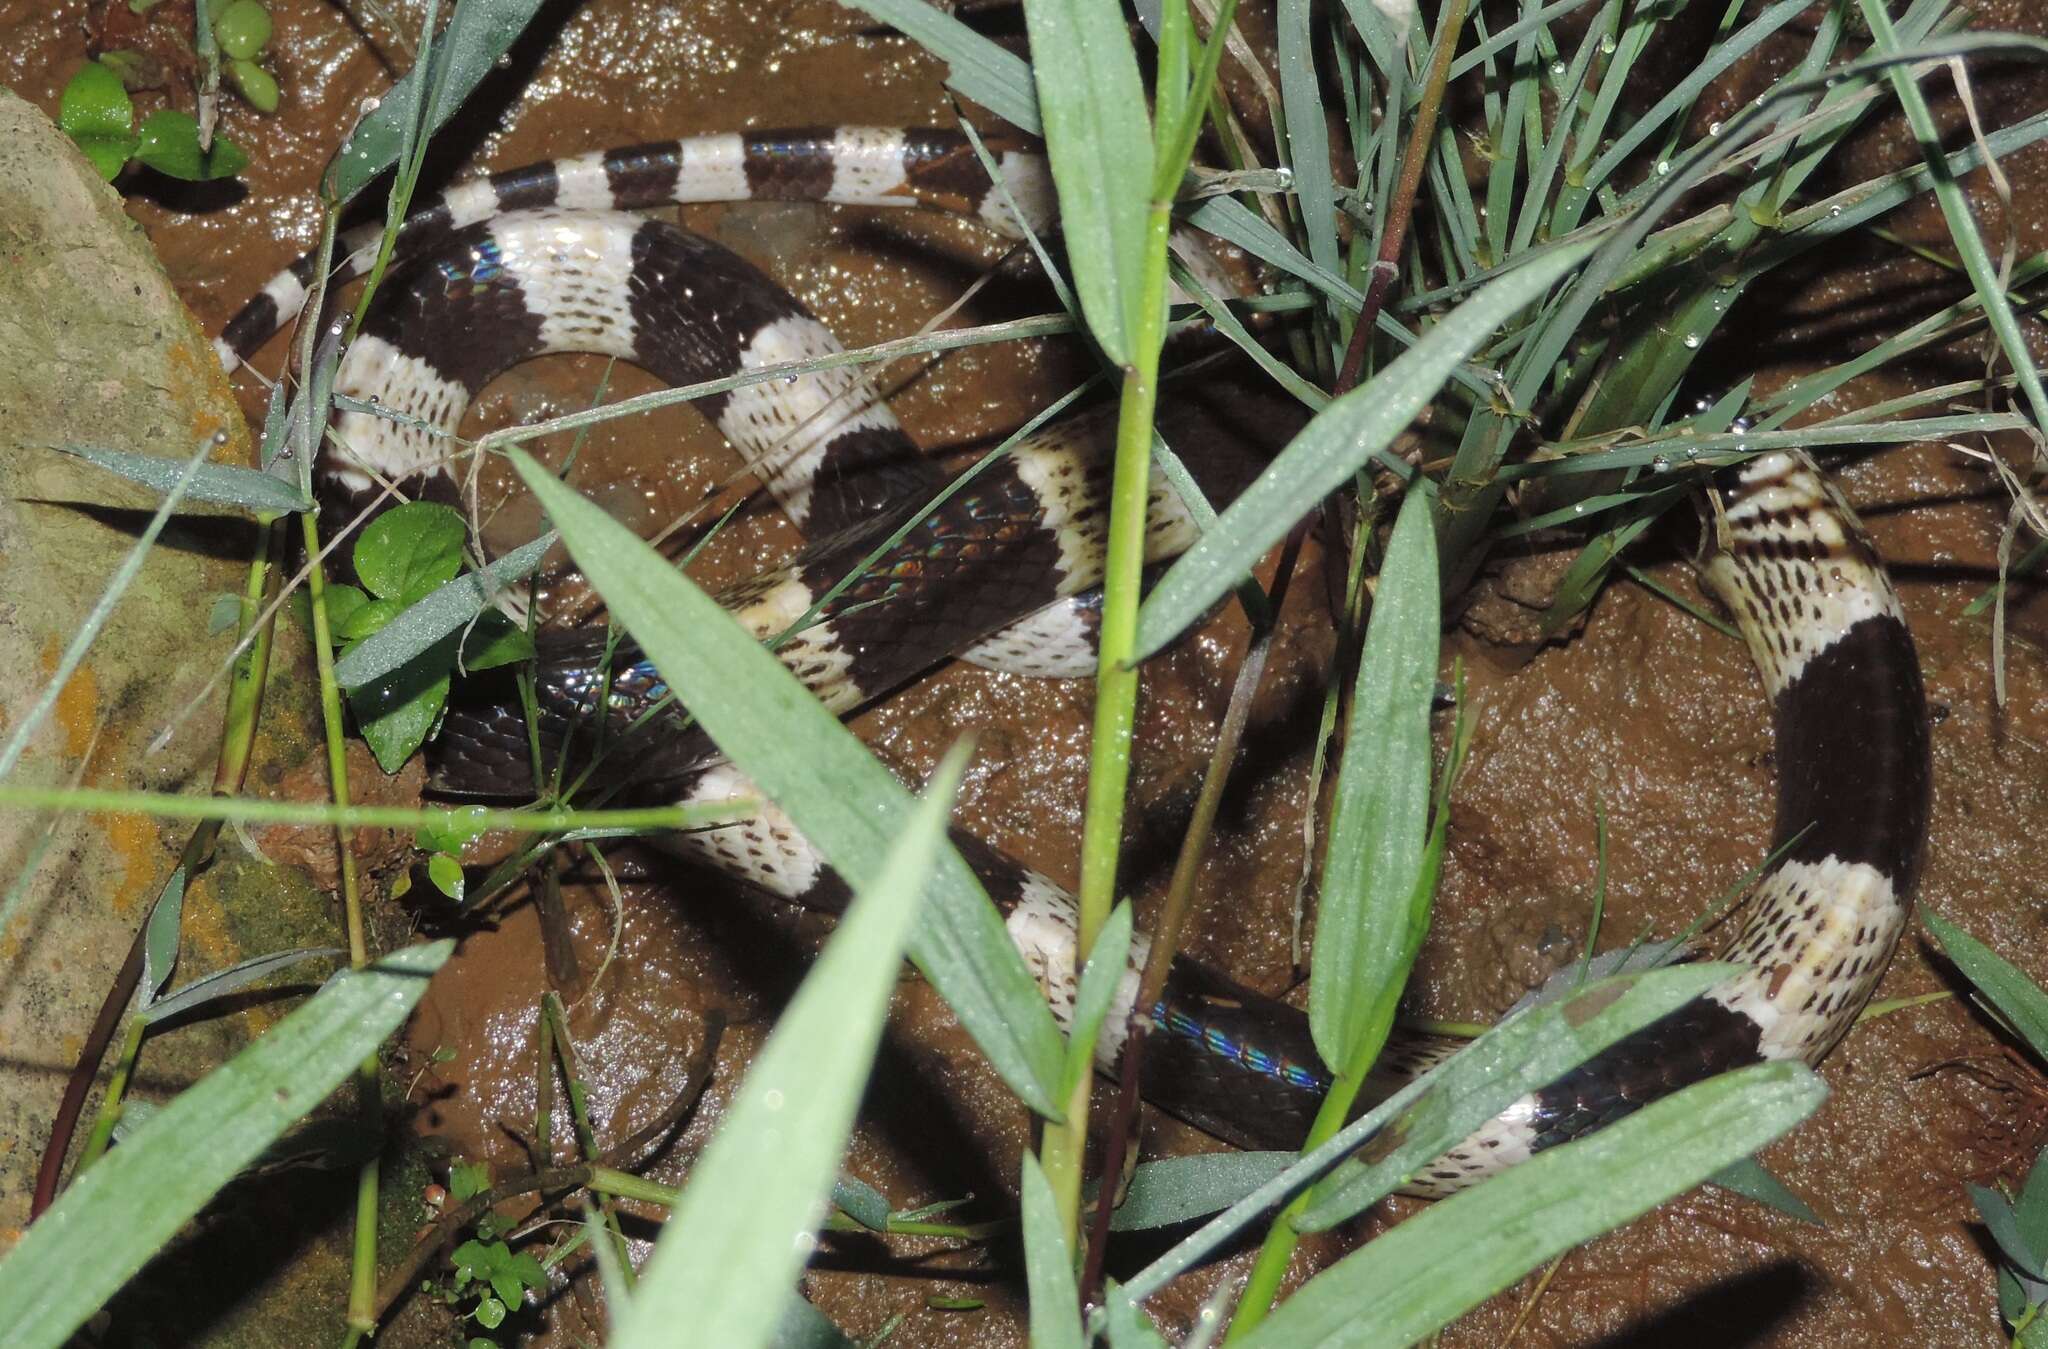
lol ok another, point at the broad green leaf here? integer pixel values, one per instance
(136, 1197)
(997, 79)
(833, 789)
(222, 483)
(343, 602)
(1176, 1189)
(231, 980)
(397, 712)
(493, 640)
(410, 549)
(2019, 998)
(440, 612)
(760, 1183)
(478, 34)
(364, 620)
(1099, 144)
(1048, 1265)
(1457, 1253)
(169, 143)
(1334, 446)
(1373, 913)
(95, 111)
(1100, 979)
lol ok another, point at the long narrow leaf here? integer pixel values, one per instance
(836, 793)
(102, 610)
(478, 33)
(1441, 1263)
(1371, 921)
(232, 979)
(1048, 1267)
(122, 1211)
(1334, 446)
(2019, 998)
(224, 484)
(999, 80)
(1100, 148)
(1434, 1112)
(744, 1224)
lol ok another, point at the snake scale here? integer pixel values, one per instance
(546, 259)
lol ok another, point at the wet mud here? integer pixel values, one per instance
(1645, 715)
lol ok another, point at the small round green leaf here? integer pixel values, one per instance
(95, 111)
(257, 86)
(490, 1313)
(446, 874)
(242, 27)
(363, 618)
(410, 549)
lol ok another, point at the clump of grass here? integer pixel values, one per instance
(1550, 307)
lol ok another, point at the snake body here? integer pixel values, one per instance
(542, 259)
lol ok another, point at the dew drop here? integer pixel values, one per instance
(1660, 465)
(1692, 341)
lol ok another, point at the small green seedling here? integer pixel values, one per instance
(496, 1277)
(96, 112)
(403, 556)
(242, 28)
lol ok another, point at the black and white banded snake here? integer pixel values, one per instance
(543, 259)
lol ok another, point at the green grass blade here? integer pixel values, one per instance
(1099, 144)
(122, 1211)
(1748, 1178)
(1308, 132)
(999, 80)
(1442, 1262)
(741, 1231)
(1432, 1113)
(1100, 979)
(1048, 1267)
(232, 980)
(1528, 1050)
(1333, 446)
(1681, 95)
(844, 801)
(2016, 996)
(1955, 208)
(433, 617)
(1371, 921)
(225, 484)
(478, 33)
(102, 609)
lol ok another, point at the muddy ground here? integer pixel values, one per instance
(1646, 712)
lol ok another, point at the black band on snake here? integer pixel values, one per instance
(541, 260)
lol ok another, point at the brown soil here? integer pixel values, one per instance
(1646, 713)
